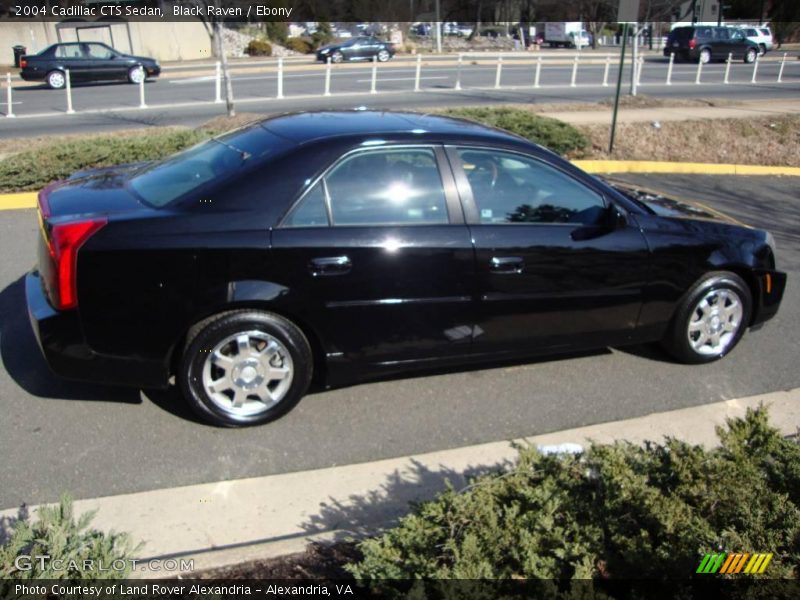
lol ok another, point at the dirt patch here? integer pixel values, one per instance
(319, 561)
(773, 141)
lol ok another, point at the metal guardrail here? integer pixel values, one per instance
(539, 61)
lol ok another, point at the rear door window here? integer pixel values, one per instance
(70, 51)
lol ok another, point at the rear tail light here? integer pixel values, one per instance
(59, 265)
(23, 63)
(692, 43)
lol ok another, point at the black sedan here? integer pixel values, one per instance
(85, 61)
(339, 246)
(358, 48)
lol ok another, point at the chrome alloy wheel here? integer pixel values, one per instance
(715, 322)
(248, 373)
(136, 74)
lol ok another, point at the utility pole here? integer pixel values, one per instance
(619, 86)
(438, 28)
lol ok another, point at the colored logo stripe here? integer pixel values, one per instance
(734, 563)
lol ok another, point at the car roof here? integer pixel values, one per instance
(304, 127)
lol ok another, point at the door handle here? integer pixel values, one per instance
(329, 265)
(508, 265)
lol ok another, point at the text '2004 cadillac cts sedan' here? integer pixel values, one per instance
(345, 245)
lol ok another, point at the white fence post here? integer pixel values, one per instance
(458, 71)
(69, 93)
(669, 68)
(574, 71)
(728, 68)
(373, 87)
(755, 70)
(605, 71)
(218, 84)
(538, 71)
(699, 71)
(419, 68)
(10, 111)
(780, 72)
(280, 78)
(499, 71)
(639, 68)
(142, 103)
(328, 76)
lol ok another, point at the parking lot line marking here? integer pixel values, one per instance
(16, 201)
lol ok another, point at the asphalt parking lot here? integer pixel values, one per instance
(57, 436)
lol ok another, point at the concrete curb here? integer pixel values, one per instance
(28, 199)
(228, 522)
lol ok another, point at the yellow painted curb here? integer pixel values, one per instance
(21, 200)
(652, 166)
(28, 199)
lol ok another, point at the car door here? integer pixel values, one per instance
(353, 49)
(721, 44)
(738, 43)
(73, 57)
(103, 63)
(377, 252)
(557, 264)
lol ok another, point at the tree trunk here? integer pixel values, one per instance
(226, 76)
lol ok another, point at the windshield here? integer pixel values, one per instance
(160, 183)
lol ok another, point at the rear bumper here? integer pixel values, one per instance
(61, 340)
(771, 287)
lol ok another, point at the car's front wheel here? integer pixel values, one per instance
(750, 55)
(384, 55)
(136, 74)
(245, 367)
(710, 320)
(56, 80)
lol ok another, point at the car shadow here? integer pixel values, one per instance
(25, 364)
(79, 84)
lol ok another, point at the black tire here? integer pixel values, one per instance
(337, 57)
(206, 335)
(56, 80)
(383, 56)
(762, 49)
(705, 53)
(677, 339)
(750, 55)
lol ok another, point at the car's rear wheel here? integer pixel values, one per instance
(245, 368)
(136, 74)
(384, 55)
(710, 320)
(56, 80)
(762, 49)
(705, 56)
(337, 57)
(750, 55)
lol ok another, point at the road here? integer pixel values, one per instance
(189, 99)
(94, 441)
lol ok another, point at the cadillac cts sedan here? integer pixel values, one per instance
(340, 246)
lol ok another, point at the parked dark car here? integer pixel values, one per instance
(341, 246)
(86, 61)
(358, 48)
(705, 43)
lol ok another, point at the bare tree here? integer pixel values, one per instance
(207, 14)
(596, 14)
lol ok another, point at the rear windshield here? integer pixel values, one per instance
(682, 33)
(162, 182)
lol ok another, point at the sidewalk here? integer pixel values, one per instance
(229, 522)
(741, 110)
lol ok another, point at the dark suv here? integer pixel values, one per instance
(705, 43)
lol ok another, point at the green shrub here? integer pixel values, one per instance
(259, 48)
(57, 534)
(64, 158)
(299, 44)
(558, 136)
(277, 31)
(618, 511)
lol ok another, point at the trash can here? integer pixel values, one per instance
(19, 51)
